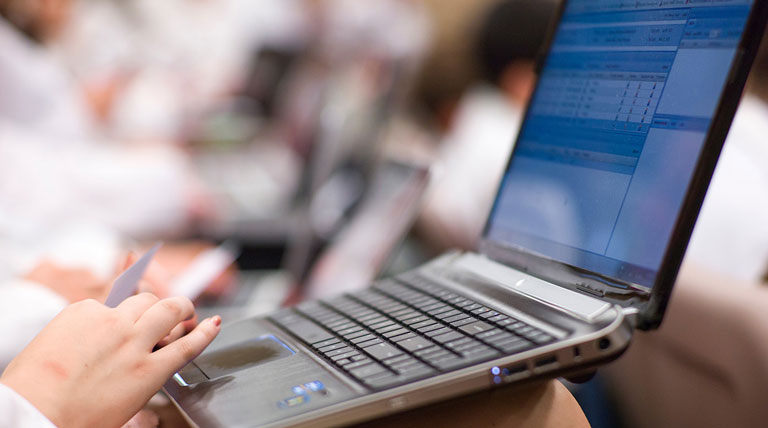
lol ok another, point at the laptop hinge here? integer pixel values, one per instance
(576, 304)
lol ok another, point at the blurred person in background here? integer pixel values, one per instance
(481, 128)
(731, 235)
(53, 150)
(70, 198)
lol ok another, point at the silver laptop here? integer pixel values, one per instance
(581, 249)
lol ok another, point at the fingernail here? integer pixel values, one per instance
(216, 321)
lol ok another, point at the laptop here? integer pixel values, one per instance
(355, 256)
(363, 248)
(582, 247)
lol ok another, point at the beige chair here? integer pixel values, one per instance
(708, 364)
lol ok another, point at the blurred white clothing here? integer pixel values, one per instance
(472, 161)
(394, 29)
(27, 307)
(36, 92)
(731, 234)
(177, 57)
(17, 412)
(137, 191)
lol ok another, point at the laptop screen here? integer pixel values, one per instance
(614, 131)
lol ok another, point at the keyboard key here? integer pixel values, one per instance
(369, 343)
(326, 343)
(417, 320)
(499, 338)
(447, 337)
(367, 371)
(356, 334)
(437, 355)
(462, 322)
(403, 337)
(525, 330)
(450, 315)
(481, 354)
(441, 310)
(515, 347)
(383, 381)
(337, 351)
(426, 351)
(490, 333)
(399, 361)
(348, 331)
(425, 323)
(497, 318)
(382, 324)
(395, 333)
(476, 327)
(382, 351)
(361, 339)
(541, 339)
(461, 343)
(415, 344)
(430, 327)
(309, 332)
(449, 363)
(357, 364)
(438, 332)
(456, 318)
(415, 372)
(392, 327)
(343, 356)
(489, 314)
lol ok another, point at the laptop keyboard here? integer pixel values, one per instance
(399, 332)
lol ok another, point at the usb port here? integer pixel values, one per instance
(512, 370)
(546, 361)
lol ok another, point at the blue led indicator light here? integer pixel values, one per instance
(496, 380)
(315, 386)
(495, 371)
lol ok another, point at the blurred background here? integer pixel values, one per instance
(292, 149)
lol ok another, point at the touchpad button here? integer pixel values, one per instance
(242, 356)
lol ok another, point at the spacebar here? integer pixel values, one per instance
(308, 331)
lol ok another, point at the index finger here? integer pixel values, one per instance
(176, 355)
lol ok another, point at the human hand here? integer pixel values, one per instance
(74, 284)
(95, 366)
(173, 259)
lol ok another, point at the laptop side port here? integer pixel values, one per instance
(545, 361)
(509, 373)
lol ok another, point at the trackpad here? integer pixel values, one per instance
(241, 356)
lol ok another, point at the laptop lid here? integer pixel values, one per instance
(620, 141)
(361, 251)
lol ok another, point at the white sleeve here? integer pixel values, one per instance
(28, 307)
(17, 412)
